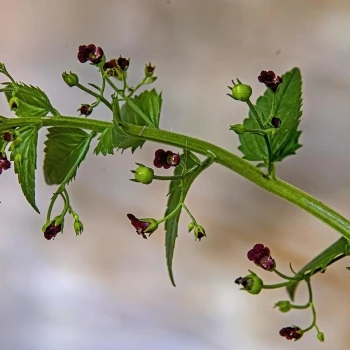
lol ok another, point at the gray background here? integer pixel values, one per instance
(108, 289)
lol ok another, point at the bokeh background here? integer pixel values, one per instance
(109, 289)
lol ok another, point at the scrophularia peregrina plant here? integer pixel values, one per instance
(269, 135)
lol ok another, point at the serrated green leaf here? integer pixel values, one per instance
(107, 142)
(26, 168)
(33, 102)
(150, 104)
(188, 161)
(65, 150)
(321, 261)
(288, 108)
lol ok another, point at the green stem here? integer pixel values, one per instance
(300, 307)
(179, 205)
(133, 90)
(189, 213)
(124, 82)
(312, 307)
(284, 276)
(273, 108)
(97, 96)
(102, 89)
(112, 85)
(52, 202)
(65, 197)
(223, 157)
(270, 167)
(277, 285)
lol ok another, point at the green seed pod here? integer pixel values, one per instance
(238, 128)
(199, 232)
(153, 225)
(241, 92)
(71, 79)
(191, 226)
(14, 103)
(251, 283)
(321, 337)
(144, 175)
(78, 227)
(284, 305)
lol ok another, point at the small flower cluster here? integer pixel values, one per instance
(145, 175)
(261, 256)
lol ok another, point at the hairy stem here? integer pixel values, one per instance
(223, 157)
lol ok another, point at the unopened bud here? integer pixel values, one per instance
(238, 128)
(71, 79)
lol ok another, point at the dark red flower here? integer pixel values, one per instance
(276, 122)
(261, 256)
(4, 163)
(52, 230)
(165, 159)
(91, 53)
(140, 226)
(270, 79)
(85, 110)
(291, 333)
(111, 64)
(123, 63)
(7, 136)
(149, 70)
(113, 69)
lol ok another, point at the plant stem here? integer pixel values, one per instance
(93, 93)
(189, 213)
(223, 157)
(284, 276)
(276, 286)
(270, 168)
(179, 205)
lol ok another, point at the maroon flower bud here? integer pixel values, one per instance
(91, 53)
(52, 230)
(123, 63)
(165, 159)
(85, 110)
(4, 163)
(112, 69)
(276, 122)
(291, 333)
(143, 226)
(199, 232)
(270, 79)
(7, 136)
(261, 256)
(149, 70)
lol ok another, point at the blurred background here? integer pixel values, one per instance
(109, 289)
